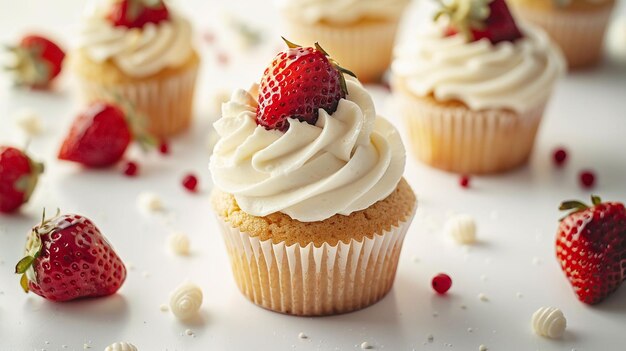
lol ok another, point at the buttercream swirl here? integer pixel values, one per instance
(510, 75)
(341, 11)
(138, 52)
(344, 163)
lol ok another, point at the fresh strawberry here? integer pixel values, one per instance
(68, 258)
(137, 13)
(18, 178)
(591, 247)
(98, 137)
(298, 83)
(490, 19)
(38, 61)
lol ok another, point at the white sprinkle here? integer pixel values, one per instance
(150, 202)
(431, 338)
(462, 228)
(463, 307)
(189, 332)
(179, 243)
(482, 297)
(415, 259)
(46, 342)
(366, 346)
(537, 261)
(145, 274)
(130, 266)
(470, 330)
(482, 348)
(435, 314)
(64, 346)
(164, 308)
(519, 295)
(29, 122)
(303, 336)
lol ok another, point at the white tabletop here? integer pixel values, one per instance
(513, 264)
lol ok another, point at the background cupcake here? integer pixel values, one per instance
(473, 87)
(577, 26)
(141, 51)
(309, 189)
(359, 33)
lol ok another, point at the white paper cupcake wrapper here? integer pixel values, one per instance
(580, 35)
(457, 139)
(310, 280)
(167, 104)
(365, 49)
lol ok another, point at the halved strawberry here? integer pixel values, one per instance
(19, 175)
(591, 248)
(137, 13)
(38, 61)
(298, 83)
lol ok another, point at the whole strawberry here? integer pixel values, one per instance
(68, 258)
(98, 137)
(591, 248)
(38, 61)
(19, 175)
(478, 19)
(137, 13)
(298, 83)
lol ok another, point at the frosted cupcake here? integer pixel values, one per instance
(578, 26)
(473, 88)
(141, 51)
(359, 33)
(309, 192)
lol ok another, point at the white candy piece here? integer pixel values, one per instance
(29, 122)
(150, 202)
(121, 346)
(179, 243)
(462, 228)
(186, 300)
(549, 322)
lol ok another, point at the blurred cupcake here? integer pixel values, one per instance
(141, 51)
(473, 87)
(578, 26)
(360, 34)
(309, 193)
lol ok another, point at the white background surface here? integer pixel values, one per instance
(516, 213)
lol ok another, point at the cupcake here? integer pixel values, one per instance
(578, 26)
(140, 51)
(360, 34)
(309, 193)
(473, 87)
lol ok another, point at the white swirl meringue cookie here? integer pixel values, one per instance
(549, 322)
(186, 300)
(121, 346)
(179, 243)
(462, 228)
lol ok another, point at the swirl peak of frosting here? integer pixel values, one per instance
(344, 163)
(508, 75)
(341, 11)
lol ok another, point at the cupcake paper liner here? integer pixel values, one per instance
(314, 281)
(166, 103)
(579, 34)
(364, 48)
(457, 139)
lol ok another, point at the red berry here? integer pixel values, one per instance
(190, 182)
(464, 181)
(559, 156)
(18, 178)
(499, 26)
(39, 61)
(136, 13)
(98, 137)
(131, 169)
(587, 179)
(69, 258)
(298, 83)
(164, 147)
(442, 283)
(591, 248)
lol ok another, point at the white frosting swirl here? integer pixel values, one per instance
(186, 300)
(138, 52)
(345, 163)
(511, 75)
(341, 11)
(549, 322)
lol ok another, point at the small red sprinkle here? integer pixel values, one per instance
(587, 179)
(442, 283)
(464, 181)
(190, 182)
(209, 37)
(164, 147)
(222, 58)
(559, 156)
(131, 169)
